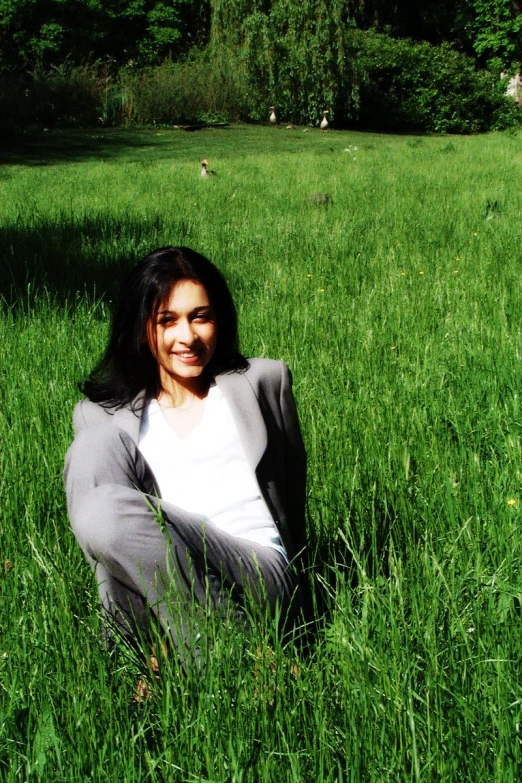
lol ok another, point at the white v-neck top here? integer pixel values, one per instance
(207, 472)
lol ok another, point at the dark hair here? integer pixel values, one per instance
(128, 365)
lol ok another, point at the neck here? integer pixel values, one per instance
(176, 394)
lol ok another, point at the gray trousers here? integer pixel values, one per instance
(151, 556)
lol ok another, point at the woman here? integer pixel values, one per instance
(186, 478)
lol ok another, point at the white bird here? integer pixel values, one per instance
(324, 122)
(273, 118)
(205, 172)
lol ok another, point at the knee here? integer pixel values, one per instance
(94, 446)
(98, 521)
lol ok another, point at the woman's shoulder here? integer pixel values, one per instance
(271, 368)
(268, 373)
(89, 414)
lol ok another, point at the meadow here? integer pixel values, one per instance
(396, 303)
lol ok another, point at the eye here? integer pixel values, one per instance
(203, 317)
(166, 320)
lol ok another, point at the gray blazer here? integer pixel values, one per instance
(264, 410)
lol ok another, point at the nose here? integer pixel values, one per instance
(186, 334)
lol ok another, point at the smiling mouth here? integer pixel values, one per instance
(189, 357)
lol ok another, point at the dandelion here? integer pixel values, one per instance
(309, 275)
(421, 272)
(511, 502)
(475, 234)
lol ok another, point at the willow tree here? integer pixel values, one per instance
(296, 54)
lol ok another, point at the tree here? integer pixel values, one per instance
(37, 33)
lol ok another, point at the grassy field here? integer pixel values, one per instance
(397, 306)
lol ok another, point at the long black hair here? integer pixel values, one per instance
(128, 365)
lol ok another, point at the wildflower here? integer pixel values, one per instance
(321, 290)
(309, 275)
(511, 502)
(393, 348)
(455, 271)
(403, 273)
(475, 234)
(421, 272)
(457, 258)
(471, 629)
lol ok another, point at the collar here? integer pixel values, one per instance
(244, 405)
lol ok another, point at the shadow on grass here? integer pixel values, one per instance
(75, 146)
(67, 258)
(342, 560)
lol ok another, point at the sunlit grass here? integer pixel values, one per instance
(397, 306)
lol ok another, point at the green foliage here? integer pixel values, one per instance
(304, 58)
(494, 28)
(67, 95)
(196, 90)
(484, 29)
(428, 88)
(296, 56)
(41, 33)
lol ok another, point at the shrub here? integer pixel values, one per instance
(203, 88)
(67, 95)
(15, 105)
(62, 96)
(416, 86)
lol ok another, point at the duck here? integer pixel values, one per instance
(273, 117)
(205, 172)
(324, 122)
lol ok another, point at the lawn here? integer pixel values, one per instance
(396, 303)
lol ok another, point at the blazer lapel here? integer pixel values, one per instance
(129, 419)
(243, 403)
(247, 414)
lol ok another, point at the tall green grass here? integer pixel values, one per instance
(397, 306)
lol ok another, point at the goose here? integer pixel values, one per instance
(273, 118)
(324, 122)
(204, 171)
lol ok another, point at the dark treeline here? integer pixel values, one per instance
(404, 65)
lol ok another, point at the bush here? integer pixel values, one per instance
(416, 86)
(67, 95)
(63, 96)
(15, 106)
(203, 88)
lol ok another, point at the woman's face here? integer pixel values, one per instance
(182, 335)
